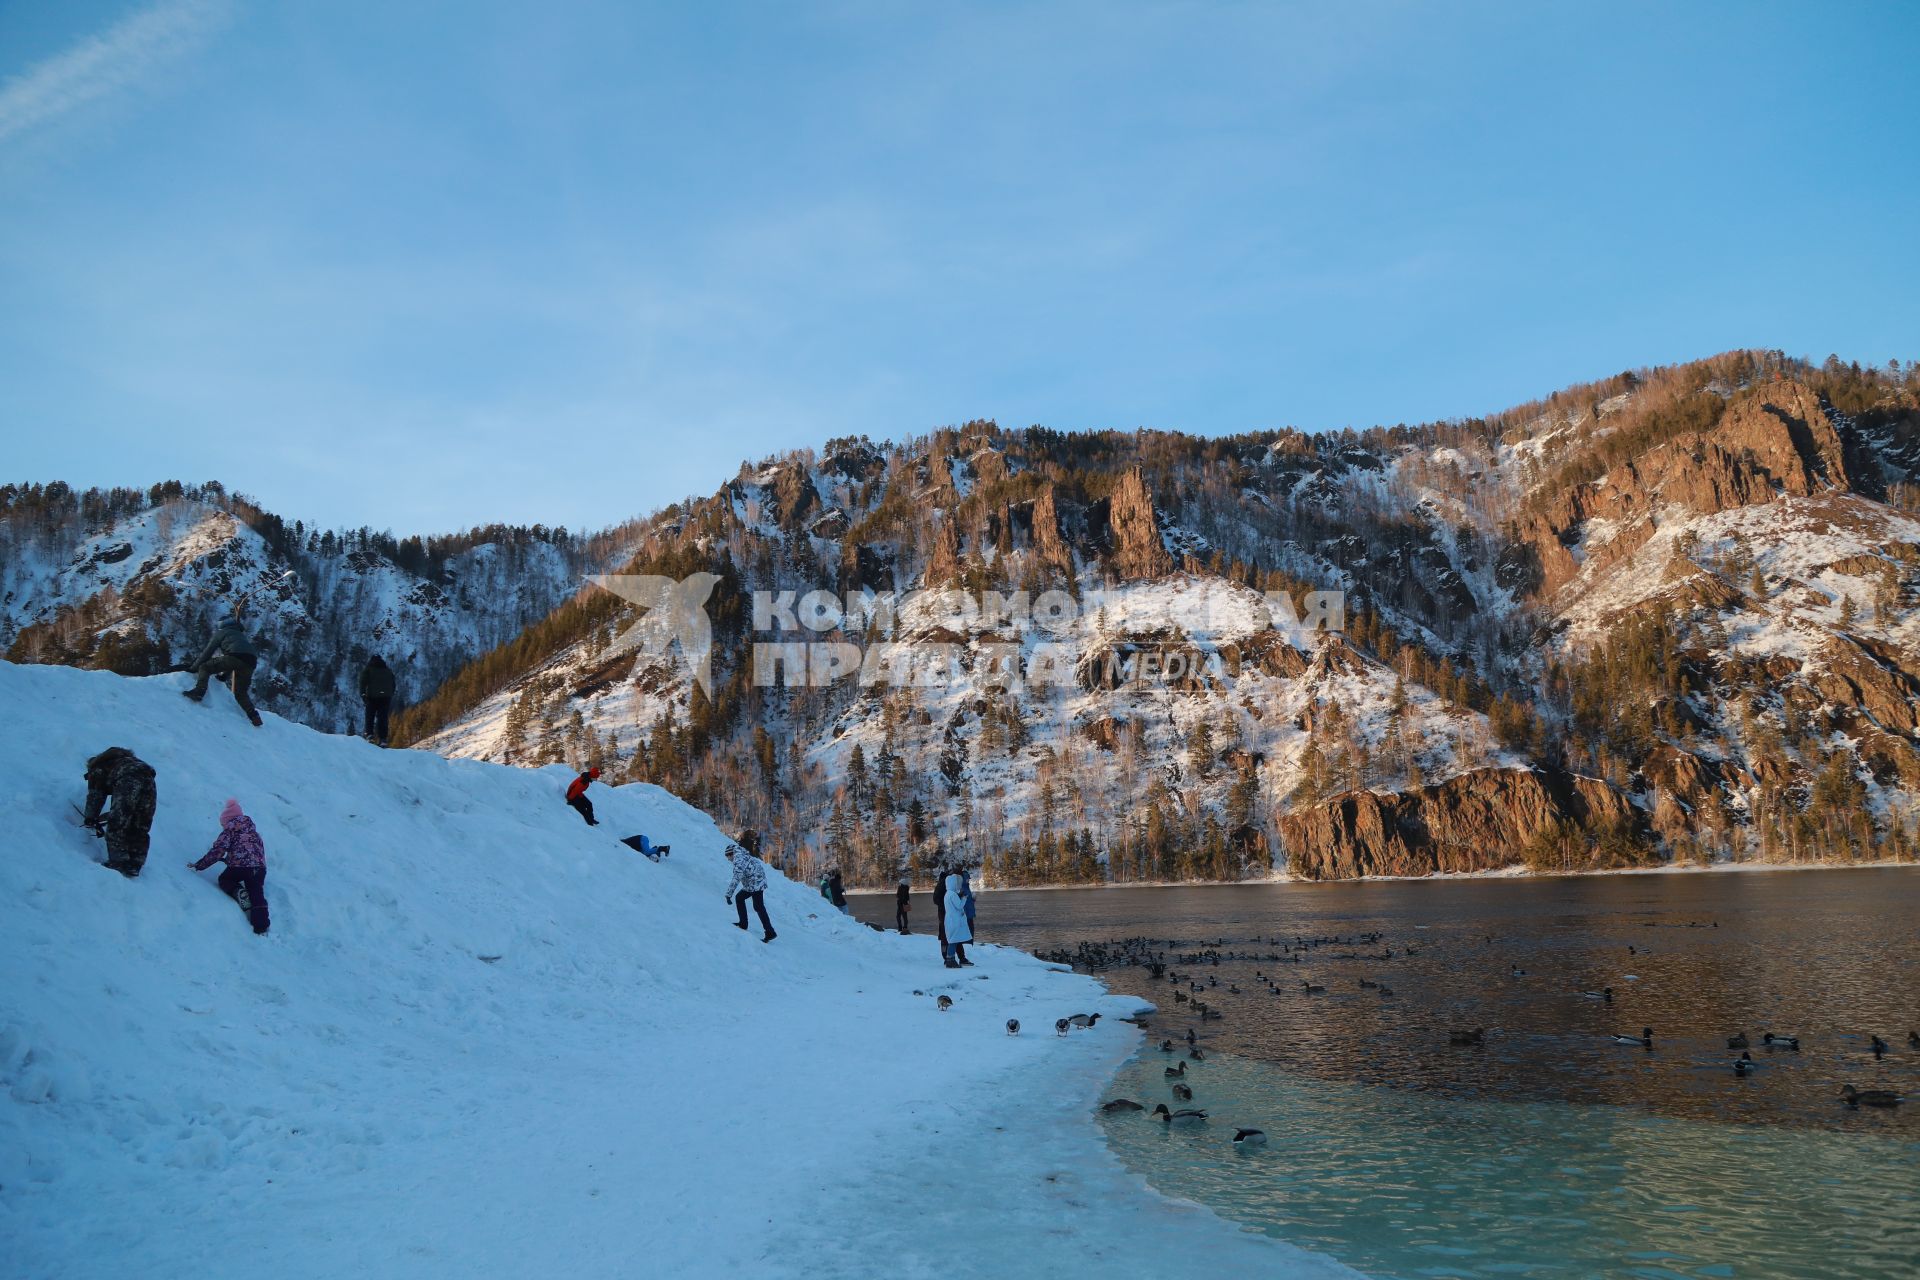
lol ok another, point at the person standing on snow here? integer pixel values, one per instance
(128, 779)
(837, 892)
(230, 653)
(577, 796)
(959, 928)
(749, 881)
(245, 877)
(376, 695)
(940, 914)
(902, 905)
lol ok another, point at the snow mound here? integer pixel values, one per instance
(485, 1039)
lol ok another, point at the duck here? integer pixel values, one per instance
(1476, 1036)
(1605, 993)
(1166, 1046)
(1185, 1114)
(1059, 1026)
(1878, 1046)
(1192, 1039)
(1743, 1065)
(1196, 1055)
(1249, 1138)
(1176, 1073)
(1386, 992)
(1084, 1019)
(1013, 1026)
(1122, 1104)
(1773, 1041)
(1366, 985)
(1183, 1092)
(1644, 1039)
(1870, 1097)
(1514, 970)
(1738, 1041)
(944, 1003)
(1311, 989)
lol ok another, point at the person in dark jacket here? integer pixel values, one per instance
(119, 774)
(749, 881)
(837, 892)
(577, 796)
(902, 905)
(376, 695)
(940, 915)
(229, 653)
(244, 879)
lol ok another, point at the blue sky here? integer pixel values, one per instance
(426, 265)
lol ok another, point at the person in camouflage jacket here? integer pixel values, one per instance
(128, 780)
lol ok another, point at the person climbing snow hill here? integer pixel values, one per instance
(244, 878)
(128, 780)
(959, 930)
(230, 653)
(376, 696)
(749, 881)
(577, 796)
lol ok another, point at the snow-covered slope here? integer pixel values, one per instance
(132, 587)
(485, 1039)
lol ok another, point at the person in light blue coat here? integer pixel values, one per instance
(959, 916)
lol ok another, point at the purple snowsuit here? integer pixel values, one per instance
(244, 878)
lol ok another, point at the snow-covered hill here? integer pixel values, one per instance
(484, 1039)
(130, 581)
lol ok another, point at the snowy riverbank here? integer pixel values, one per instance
(485, 1039)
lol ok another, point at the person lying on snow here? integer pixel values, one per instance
(577, 796)
(128, 780)
(639, 844)
(245, 876)
(749, 881)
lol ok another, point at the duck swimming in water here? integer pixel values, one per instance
(1183, 1093)
(1476, 1036)
(1879, 1047)
(1738, 1041)
(1870, 1097)
(1644, 1039)
(1196, 1055)
(1743, 1065)
(1249, 1138)
(1176, 1073)
(1166, 1046)
(1185, 1115)
(1773, 1041)
(1122, 1104)
(1605, 993)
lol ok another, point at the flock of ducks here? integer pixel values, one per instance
(1181, 969)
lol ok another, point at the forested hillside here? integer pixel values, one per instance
(1665, 614)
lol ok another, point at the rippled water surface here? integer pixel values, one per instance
(1548, 1149)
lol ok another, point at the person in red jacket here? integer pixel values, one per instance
(577, 796)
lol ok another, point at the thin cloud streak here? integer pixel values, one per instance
(105, 64)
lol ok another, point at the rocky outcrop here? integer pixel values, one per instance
(1772, 442)
(1049, 545)
(943, 565)
(1478, 821)
(1134, 532)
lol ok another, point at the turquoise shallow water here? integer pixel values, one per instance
(1407, 1185)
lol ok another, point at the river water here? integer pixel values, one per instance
(1547, 1149)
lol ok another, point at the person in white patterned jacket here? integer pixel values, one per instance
(749, 881)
